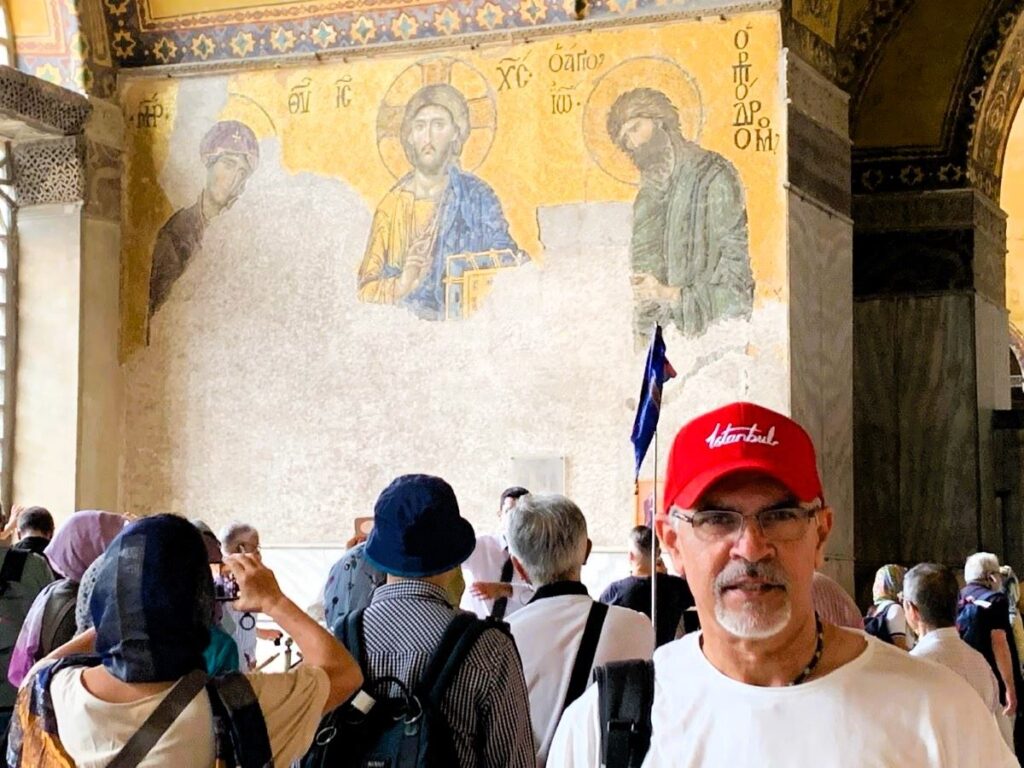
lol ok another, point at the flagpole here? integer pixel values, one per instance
(654, 544)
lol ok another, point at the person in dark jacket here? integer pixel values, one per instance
(674, 597)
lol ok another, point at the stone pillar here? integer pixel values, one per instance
(930, 367)
(101, 382)
(68, 386)
(820, 301)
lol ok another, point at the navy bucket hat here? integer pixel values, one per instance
(417, 529)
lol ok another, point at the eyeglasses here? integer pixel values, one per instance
(780, 524)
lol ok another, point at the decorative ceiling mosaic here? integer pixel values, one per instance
(81, 43)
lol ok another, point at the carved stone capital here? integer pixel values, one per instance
(814, 95)
(935, 210)
(41, 107)
(924, 242)
(50, 170)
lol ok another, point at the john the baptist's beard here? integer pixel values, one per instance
(655, 158)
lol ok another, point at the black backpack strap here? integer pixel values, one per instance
(581, 667)
(235, 704)
(349, 631)
(625, 695)
(12, 569)
(455, 645)
(58, 625)
(501, 604)
(150, 732)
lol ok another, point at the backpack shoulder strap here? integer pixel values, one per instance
(349, 631)
(625, 695)
(13, 567)
(585, 654)
(65, 596)
(156, 725)
(455, 645)
(501, 604)
(234, 703)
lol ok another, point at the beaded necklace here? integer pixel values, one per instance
(819, 649)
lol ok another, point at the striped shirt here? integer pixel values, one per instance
(486, 706)
(834, 604)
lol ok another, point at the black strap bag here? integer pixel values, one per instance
(376, 730)
(625, 695)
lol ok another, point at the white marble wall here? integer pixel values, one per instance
(821, 296)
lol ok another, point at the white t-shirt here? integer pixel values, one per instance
(548, 633)
(884, 708)
(94, 731)
(485, 564)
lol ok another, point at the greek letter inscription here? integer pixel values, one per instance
(578, 61)
(298, 97)
(343, 92)
(563, 99)
(751, 127)
(514, 73)
(151, 112)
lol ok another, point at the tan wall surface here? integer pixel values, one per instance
(269, 391)
(101, 406)
(46, 418)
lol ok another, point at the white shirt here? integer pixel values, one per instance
(485, 565)
(884, 708)
(548, 633)
(944, 646)
(896, 623)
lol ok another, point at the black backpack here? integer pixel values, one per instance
(875, 624)
(969, 623)
(409, 731)
(625, 691)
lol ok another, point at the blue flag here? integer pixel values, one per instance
(658, 371)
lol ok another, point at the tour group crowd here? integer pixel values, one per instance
(133, 643)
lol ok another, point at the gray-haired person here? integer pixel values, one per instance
(985, 625)
(243, 539)
(547, 536)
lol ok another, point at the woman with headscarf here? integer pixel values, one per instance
(152, 609)
(51, 619)
(888, 604)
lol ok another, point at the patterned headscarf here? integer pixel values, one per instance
(81, 540)
(888, 584)
(153, 601)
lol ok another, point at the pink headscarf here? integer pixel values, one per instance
(83, 538)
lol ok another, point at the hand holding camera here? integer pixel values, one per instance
(257, 588)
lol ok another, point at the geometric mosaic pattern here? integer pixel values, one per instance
(139, 33)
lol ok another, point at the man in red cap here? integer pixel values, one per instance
(766, 682)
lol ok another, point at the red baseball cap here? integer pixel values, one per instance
(740, 436)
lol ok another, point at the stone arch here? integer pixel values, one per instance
(997, 102)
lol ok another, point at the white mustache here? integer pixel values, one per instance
(738, 571)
